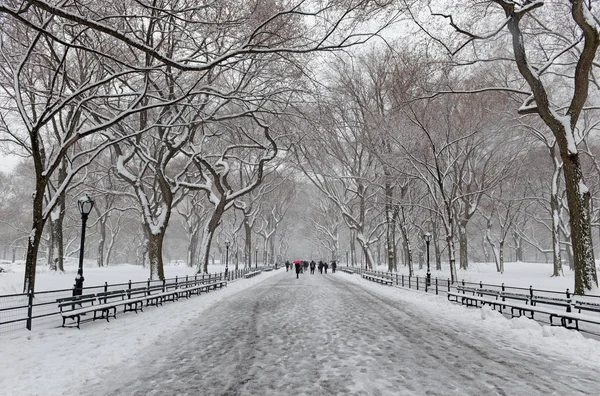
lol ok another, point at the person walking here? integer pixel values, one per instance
(312, 267)
(298, 265)
(326, 265)
(333, 266)
(287, 266)
(320, 267)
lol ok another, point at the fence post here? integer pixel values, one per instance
(402, 280)
(463, 285)
(148, 283)
(417, 282)
(186, 280)
(409, 281)
(503, 290)
(448, 285)
(426, 289)
(436, 286)
(568, 298)
(396, 279)
(105, 287)
(29, 309)
(165, 285)
(480, 285)
(195, 278)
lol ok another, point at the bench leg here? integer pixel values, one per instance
(78, 320)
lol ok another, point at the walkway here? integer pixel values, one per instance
(320, 335)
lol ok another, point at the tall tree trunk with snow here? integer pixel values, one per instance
(353, 247)
(155, 249)
(192, 248)
(35, 237)
(555, 212)
(463, 244)
(101, 241)
(488, 238)
(436, 249)
(390, 224)
(501, 254)
(248, 242)
(563, 127)
(209, 231)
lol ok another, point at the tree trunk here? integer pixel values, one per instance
(390, 226)
(248, 242)
(451, 258)
(34, 239)
(155, 259)
(578, 198)
(193, 247)
(501, 255)
(463, 245)
(207, 236)
(353, 247)
(556, 259)
(102, 231)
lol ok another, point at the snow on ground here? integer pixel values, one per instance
(52, 361)
(57, 361)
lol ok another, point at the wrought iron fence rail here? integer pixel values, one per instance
(41, 307)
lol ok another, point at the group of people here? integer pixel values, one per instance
(302, 266)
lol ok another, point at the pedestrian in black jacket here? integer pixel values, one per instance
(298, 268)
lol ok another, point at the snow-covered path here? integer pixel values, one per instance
(322, 335)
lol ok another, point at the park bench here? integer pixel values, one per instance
(74, 307)
(556, 301)
(109, 301)
(586, 306)
(378, 279)
(514, 296)
(156, 296)
(204, 287)
(527, 310)
(251, 274)
(346, 270)
(105, 304)
(472, 299)
(135, 299)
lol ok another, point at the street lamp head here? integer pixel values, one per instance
(227, 243)
(427, 236)
(85, 205)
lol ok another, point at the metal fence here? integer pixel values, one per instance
(39, 309)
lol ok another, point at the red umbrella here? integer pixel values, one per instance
(297, 262)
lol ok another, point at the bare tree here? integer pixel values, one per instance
(554, 46)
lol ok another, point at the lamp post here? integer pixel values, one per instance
(427, 237)
(347, 262)
(256, 258)
(85, 205)
(226, 259)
